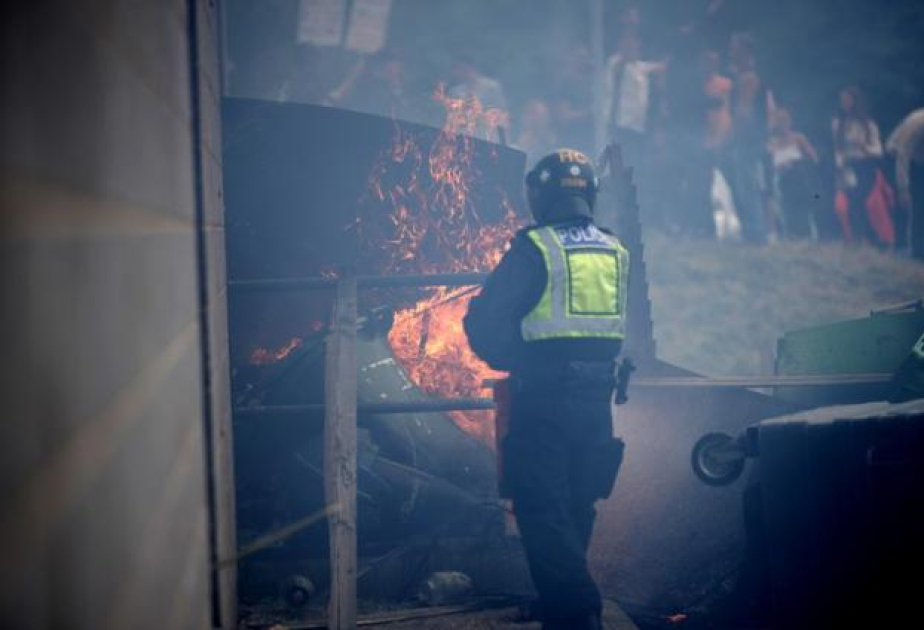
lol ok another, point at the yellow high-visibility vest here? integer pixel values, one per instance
(588, 279)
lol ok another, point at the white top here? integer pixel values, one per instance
(859, 140)
(634, 91)
(786, 155)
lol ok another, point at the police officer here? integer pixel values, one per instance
(553, 315)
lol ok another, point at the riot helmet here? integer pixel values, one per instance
(562, 185)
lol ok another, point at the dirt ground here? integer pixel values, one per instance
(507, 618)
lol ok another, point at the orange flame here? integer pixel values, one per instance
(432, 225)
(430, 344)
(264, 356)
(428, 339)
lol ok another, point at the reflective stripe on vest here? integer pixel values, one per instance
(585, 294)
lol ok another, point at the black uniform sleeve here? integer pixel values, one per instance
(492, 323)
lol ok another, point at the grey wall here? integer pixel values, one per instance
(105, 522)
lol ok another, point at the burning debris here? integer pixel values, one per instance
(404, 200)
(438, 228)
(429, 342)
(420, 214)
(263, 356)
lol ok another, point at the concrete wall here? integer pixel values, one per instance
(105, 522)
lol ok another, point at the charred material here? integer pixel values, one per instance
(422, 481)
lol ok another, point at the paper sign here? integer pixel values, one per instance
(368, 30)
(320, 22)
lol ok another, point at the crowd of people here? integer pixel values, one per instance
(714, 154)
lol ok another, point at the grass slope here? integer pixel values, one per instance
(719, 307)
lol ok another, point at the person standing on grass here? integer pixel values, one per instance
(857, 156)
(794, 172)
(751, 105)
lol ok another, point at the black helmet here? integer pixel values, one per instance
(561, 174)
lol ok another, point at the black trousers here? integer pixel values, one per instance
(559, 458)
(799, 187)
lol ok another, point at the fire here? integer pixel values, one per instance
(431, 223)
(418, 216)
(437, 227)
(429, 342)
(263, 356)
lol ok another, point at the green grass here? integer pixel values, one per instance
(719, 308)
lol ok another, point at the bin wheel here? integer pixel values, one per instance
(717, 459)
